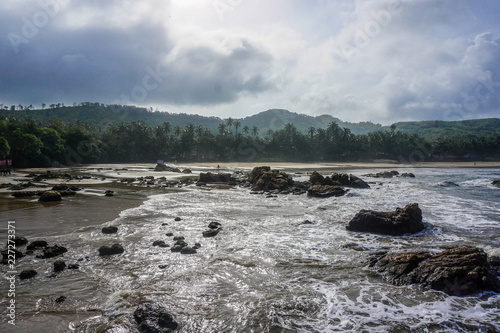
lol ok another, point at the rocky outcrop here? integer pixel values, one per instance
(383, 174)
(273, 180)
(51, 252)
(256, 173)
(349, 180)
(214, 178)
(49, 196)
(110, 250)
(164, 167)
(458, 271)
(19, 241)
(402, 221)
(152, 318)
(37, 244)
(325, 191)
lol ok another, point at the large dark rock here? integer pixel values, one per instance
(37, 244)
(110, 250)
(49, 196)
(214, 178)
(273, 180)
(12, 252)
(383, 174)
(60, 187)
(316, 179)
(19, 241)
(59, 266)
(496, 183)
(325, 191)
(402, 221)
(109, 230)
(53, 251)
(256, 173)
(27, 274)
(458, 271)
(164, 167)
(154, 319)
(210, 232)
(349, 180)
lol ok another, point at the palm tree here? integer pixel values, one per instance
(246, 129)
(229, 122)
(255, 131)
(311, 131)
(222, 129)
(177, 131)
(237, 124)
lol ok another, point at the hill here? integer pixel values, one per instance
(98, 115)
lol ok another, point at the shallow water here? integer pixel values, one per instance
(266, 271)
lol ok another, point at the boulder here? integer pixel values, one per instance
(60, 187)
(51, 252)
(6, 253)
(110, 250)
(59, 265)
(408, 175)
(458, 271)
(214, 178)
(152, 318)
(109, 193)
(109, 230)
(188, 250)
(349, 180)
(19, 241)
(256, 173)
(187, 171)
(164, 167)
(37, 244)
(27, 274)
(214, 225)
(325, 191)
(496, 183)
(402, 221)
(316, 178)
(49, 196)
(211, 232)
(159, 243)
(273, 180)
(383, 174)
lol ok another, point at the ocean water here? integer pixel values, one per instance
(266, 271)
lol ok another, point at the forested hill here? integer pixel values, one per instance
(100, 115)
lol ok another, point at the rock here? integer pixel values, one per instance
(209, 177)
(325, 191)
(402, 221)
(188, 250)
(60, 187)
(37, 244)
(159, 243)
(383, 174)
(109, 193)
(256, 173)
(59, 266)
(211, 232)
(110, 250)
(73, 266)
(60, 299)
(6, 253)
(316, 178)
(349, 180)
(496, 183)
(408, 175)
(162, 266)
(154, 319)
(187, 171)
(53, 251)
(273, 180)
(214, 225)
(448, 184)
(458, 271)
(26, 194)
(169, 234)
(178, 238)
(196, 246)
(20, 241)
(49, 196)
(109, 230)
(27, 274)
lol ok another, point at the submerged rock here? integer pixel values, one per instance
(209, 177)
(152, 318)
(37, 244)
(188, 250)
(458, 271)
(49, 196)
(407, 220)
(496, 183)
(325, 191)
(110, 250)
(109, 230)
(408, 175)
(449, 184)
(59, 265)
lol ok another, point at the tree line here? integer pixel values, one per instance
(30, 144)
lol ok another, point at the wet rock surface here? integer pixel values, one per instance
(407, 220)
(154, 319)
(458, 271)
(326, 191)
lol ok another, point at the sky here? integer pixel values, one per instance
(359, 60)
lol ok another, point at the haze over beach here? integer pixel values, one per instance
(249, 166)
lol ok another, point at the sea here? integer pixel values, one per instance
(279, 264)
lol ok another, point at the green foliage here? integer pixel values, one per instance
(4, 148)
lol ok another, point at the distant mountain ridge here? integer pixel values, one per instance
(96, 114)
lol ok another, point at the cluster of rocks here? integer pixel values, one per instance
(158, 182)
(457, 271)
(163, 167)
(153, 318)
(390, 174)
(54, 194)
(44, 252)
